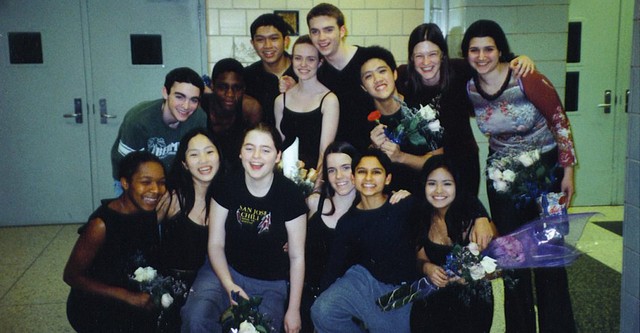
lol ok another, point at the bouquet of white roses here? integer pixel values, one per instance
(522, 175)
(465, 262)
(420, 127)
(468, 263)
(164, 290)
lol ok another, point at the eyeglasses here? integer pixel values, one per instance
(434, 55)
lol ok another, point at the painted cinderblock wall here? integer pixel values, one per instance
(369, 22)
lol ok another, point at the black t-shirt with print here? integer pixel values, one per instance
(255, 227)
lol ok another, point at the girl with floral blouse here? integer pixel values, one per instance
(520, 115)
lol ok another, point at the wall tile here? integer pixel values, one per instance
(507, 16)
(297, 4)
(398, 45)
(388, 21)
(364, 22)
(547, 19)
(343, 4)
(252, 15)
(379, 4)
(457, 3)
(233, 22)
(219, 4)
(357, 40)
(246, 4)
(378, 40)
(273, 4)
(213, 22)
(410, 20)
(220, 47)
(539, 46)
(243, 50)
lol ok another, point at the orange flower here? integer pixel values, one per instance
(374, 116)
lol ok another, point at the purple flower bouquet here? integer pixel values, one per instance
(545, 242)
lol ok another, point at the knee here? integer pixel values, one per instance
(320, 309)
(199, 314)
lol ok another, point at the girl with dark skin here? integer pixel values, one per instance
(120, 236)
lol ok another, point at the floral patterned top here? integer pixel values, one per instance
(526, 113)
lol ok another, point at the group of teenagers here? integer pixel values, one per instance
(205, 202)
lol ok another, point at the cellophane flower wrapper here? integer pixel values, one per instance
(406, 294)
(549, 241)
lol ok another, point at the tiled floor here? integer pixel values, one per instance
(33, 295)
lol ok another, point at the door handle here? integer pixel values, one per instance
(626, 102)
(607, 102)
(104, 116)
(77, 111)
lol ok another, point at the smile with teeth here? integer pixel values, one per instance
(206, 169)
(380, 87)
(150, 200)
(343, 183)
(256, 165)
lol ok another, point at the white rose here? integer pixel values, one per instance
(477, 272)
(434, 126)
(145, 274)
(508, 176)
(473, 248)
(166, 300)
(525, 159)
(500, 186)
(246, 327)
(489, 264)
(427, 112)
(494, 173)
(535, 155)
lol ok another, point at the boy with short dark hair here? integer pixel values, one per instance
(270, 39)
(157, 126)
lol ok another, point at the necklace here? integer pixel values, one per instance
(491, 97)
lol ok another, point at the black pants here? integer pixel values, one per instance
(555, 313)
